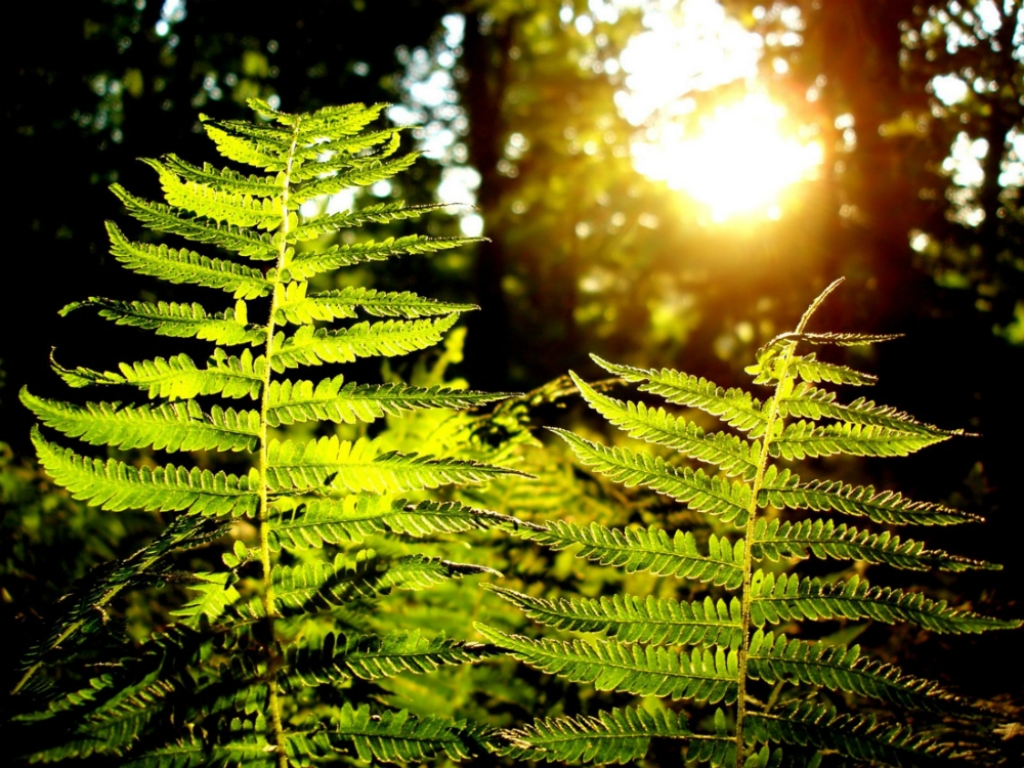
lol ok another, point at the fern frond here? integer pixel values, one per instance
(357, 516)
(612, 736)
(649, 549)
(163, 218)
(785, 491)
(185, 266)
(306, 467)
(801, 439)
(332, 400)
(221, 179)
(380, 213)
(115, 486)
(632, 619)
(735, 407)
(346, 255)
(774, 658)
(714, 495)
(727, 452)
(267, 153)
(788, 597)
(398, 737)
(179, 320)
(295, 307)
(309, 346)
(810, 368)
(358, 175)
(640, 670)
(178, 426)
(812, 403)
(824, 539)
(215, 595)
(853, 736)
(178, 378)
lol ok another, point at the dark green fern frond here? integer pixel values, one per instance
(613, 736)
(632, 619)
(651, 550)
(614, 666)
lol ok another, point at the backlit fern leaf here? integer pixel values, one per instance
(642, 670)
(261, 569)
(333, 400)
(613, 736)
(179, 320)
(637, 620)
(654, 550)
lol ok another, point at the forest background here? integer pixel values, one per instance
(524, 111)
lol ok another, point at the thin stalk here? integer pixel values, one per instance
(748, 558)
(269, 606)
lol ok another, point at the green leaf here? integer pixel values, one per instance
(309, 346)
(640, 670)
(178, 320)
(170, 427)
(734, 406)
(632, 619)
(803, 438)
(115, 486)
(346, 255)
(332, 400)
(185, 266)
(295, 307)
(730, 454)
(714, 495)
(649, 549)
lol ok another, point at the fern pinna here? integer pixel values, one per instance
(240, 675)
(733, 648)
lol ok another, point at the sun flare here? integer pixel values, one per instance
(739, 161)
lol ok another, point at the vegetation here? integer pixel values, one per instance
(742, 637)
(263, 663)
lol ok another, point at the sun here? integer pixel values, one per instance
(739, 159)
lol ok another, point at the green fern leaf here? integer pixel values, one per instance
(360, 175)
(730, 454)
(307, 467)
(785, 491)
(398, 737)
(115, 486)
(714, 495)
(381, 213)
(633, 619)
(178, 378)
(332, 400)
(613, 736)
(734, 406)
(178, 320)
(789, 597)
(163, 218)
(636, 669)
(812, 403)
(171, 427)
(357, 516)
(220, 179)
(824, 539)
(295, 307)
(809, 368)
(643, 549)
(347, 255)
(774, 658)
(857, 737)
(185, 266)
(801, 439)
(215, 595)
(385, 339)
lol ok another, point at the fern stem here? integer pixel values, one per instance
(748, 558)
(270, 608)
